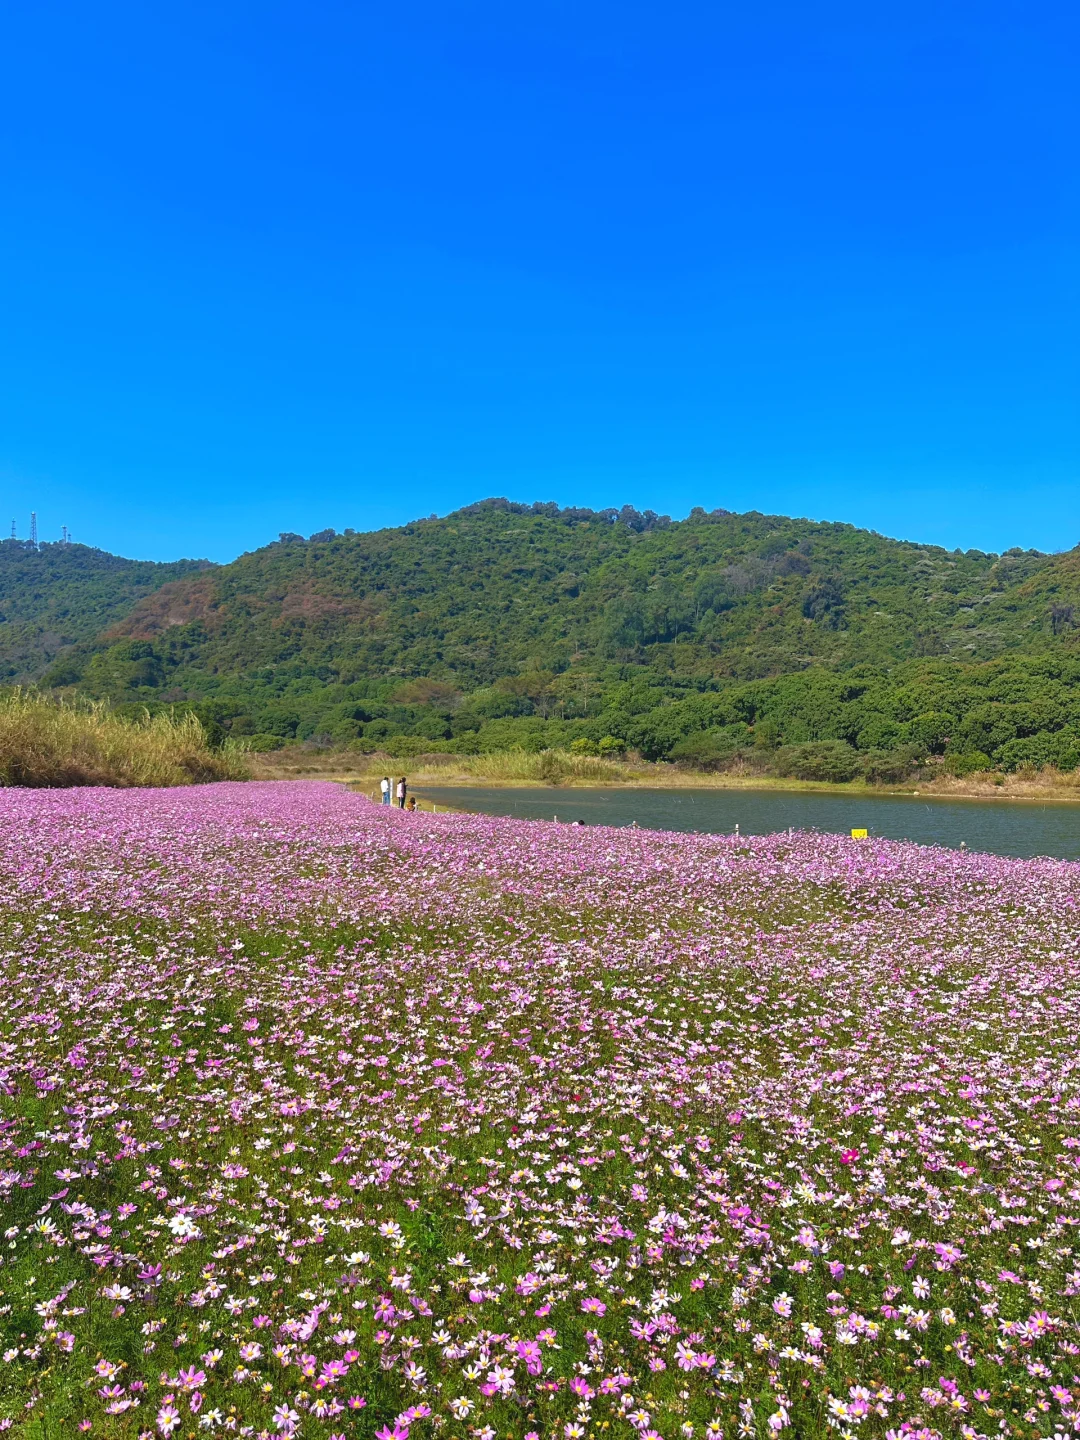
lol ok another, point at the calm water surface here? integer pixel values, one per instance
(1006, 827)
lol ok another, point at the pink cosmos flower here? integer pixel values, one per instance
(168, 1418)
(686, 1356)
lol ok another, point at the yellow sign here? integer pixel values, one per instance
(858, 834)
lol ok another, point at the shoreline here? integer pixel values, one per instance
(336, 768)
(805, 787)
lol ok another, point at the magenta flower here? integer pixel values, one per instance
(268, 1026)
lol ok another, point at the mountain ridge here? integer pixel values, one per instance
(57, 594)
(504, 623)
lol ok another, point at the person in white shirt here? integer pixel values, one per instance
(384, 786)
(402, 791)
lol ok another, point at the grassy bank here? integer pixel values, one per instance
(48, 743)
(560, 768)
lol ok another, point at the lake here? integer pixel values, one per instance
(1006, 827)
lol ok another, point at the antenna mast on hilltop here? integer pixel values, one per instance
(13, 535)
(33, 527)
(64, 537)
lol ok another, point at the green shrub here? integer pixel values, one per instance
(1035, 752)
(966, 762)
(889, 767)
(260, 743)
(707, 749)
(831, 760)
(404, 747)
(611, 745)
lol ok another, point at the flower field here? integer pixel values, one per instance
(325, 1120)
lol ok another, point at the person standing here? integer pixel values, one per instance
(402, 791)
(384, 787)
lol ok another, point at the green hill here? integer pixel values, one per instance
(506, 624)
(53, 596)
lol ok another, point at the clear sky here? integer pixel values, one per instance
(280, 266)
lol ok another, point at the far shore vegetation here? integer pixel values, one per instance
(51, 741)
(565, 768)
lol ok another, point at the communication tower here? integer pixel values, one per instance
(33, 527)
(13, 535)
(65, 538)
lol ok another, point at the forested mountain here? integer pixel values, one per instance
(54, 595)
(504, 624)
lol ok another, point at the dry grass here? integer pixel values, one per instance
(52, 743)
(1048, 784)
(511, 767)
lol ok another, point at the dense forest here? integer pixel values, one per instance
(829, 649)
(53, 596)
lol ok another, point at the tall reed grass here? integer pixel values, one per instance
(507, 767)
(553, 767)
(46, 742)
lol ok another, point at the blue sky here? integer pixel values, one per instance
(282, 266)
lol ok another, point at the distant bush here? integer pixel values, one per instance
(889, 767)
(405, 747)
(52, 743)
(609, 745)
(709, 749)
(261, 742)
(1060, 750)
(832, 760)
(967, 762)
